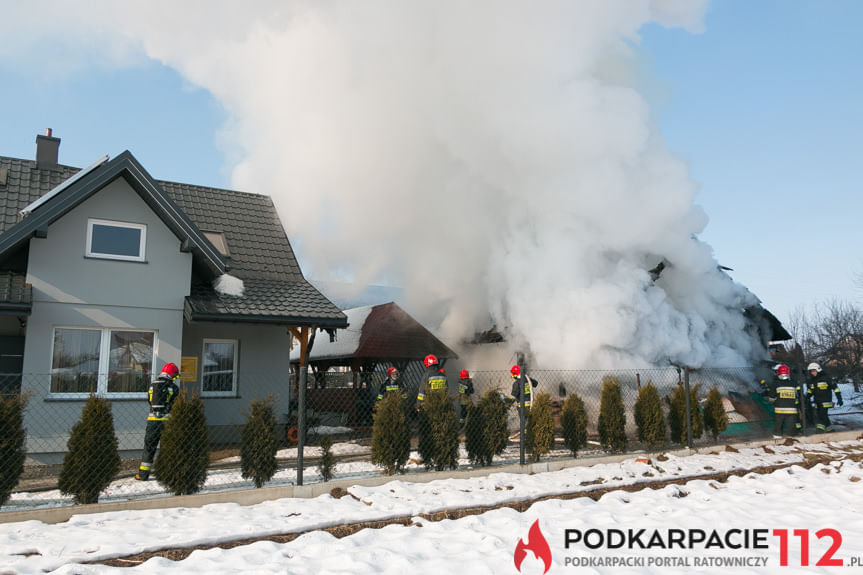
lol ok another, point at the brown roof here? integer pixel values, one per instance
(387, 333)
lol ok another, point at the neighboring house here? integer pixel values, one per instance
(106, 274)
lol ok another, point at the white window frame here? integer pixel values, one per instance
(104, 362)
(142, 246)
(233, 392)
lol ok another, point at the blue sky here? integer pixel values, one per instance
(763, 107)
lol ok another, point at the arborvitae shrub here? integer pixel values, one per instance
(12, 434)
(715, 417)
(539, 427)
(438, 431)
(677, 414)
(328, 461)
(486, 433)
(474, 441)
(573, 421)
(181, 465)
(425, 441)
(612, 417)
(391, 439)
(91, 459)
(259, 442)
(649, 418)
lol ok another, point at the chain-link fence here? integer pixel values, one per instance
(342, 405)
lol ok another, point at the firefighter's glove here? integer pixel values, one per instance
(840, 401)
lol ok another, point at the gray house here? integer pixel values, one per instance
(106, 274)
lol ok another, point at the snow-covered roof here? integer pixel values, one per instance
(383, 331)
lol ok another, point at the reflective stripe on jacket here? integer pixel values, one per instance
(435, 380)
(528, 383)
(786, 393)
(822, 391)
(388, 386)
(161, 395)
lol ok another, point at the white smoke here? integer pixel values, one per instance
(493, 157)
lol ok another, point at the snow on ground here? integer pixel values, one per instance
(792, 498)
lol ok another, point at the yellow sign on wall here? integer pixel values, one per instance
(189, 368)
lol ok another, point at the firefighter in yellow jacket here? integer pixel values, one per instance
(522, 384)
(787, 397)
(392, 384)
(465, 390)
(821, 391)
(161, 395)
(433, 380)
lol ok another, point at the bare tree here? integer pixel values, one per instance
(799, 325)
(836, 337)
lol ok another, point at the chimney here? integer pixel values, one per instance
(47, 150)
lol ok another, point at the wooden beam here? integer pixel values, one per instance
(302, 335)
(304, 346)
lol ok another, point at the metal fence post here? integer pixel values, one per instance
(688, 408)
(520, 423)
(804, 401)
(301, 420)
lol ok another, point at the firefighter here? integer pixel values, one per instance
(433, 380)
(465, 390)
(391, 384)
(160, 395)
(821, 390)
(522, 382)
(786, 401)
(766, 383)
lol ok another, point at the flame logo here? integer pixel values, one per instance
(535, 542)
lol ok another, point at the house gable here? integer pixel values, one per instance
(60, 269)
(124, 166)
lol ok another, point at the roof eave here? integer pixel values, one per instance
(285, 320)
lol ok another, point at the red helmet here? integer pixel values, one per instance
(392, 371)
(463, 374)
(171, 370)
(783, 370)
(515, 371)
(430, 360)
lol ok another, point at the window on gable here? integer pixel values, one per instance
(219, 242)
(116, 240)
(219, 373)
(102, 361)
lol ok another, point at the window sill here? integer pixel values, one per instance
(121, 260)
(207, 396)
(68, 398)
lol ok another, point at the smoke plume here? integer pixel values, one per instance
(494, 158)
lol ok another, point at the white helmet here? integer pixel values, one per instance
(813, 366)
